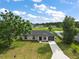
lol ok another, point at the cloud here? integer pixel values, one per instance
(14, 0)
(50, 11)
(54, 16)
(3, 10)
(38, 19)
(67, 1)
(37, 0)
(22, 14)
(52, 7)
(19, 12)
(40, 7)
(55, 13)
(32, 16)
(77, 20)
(17, 0)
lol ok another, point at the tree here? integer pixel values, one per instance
(50, 28)
(68, 29)
(12, 26)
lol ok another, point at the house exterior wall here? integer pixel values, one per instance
(77, 38)
(36, 38)
(29, 38)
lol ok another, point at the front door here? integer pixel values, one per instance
(40, 38)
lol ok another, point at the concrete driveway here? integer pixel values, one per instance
(57, 52)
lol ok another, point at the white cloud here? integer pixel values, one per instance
(54, 16)
(39, 19)
(50, 11)
(55, 13)
(37, 0)
(67, 1)
(52, 7)
(14, 0)
(17, 0)
(32, 16)
(42, 19)
(40, 7)
(22, 14)
(77, 20)
(19, 12)
(3, 10)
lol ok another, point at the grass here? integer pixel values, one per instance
(57, 29)
(46, 28)
(72, 51)
(77, 30)
(28, 50)
(42, 28)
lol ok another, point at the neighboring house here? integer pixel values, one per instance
(77, 37)
(39, 35)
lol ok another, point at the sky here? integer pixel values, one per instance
(42, 11)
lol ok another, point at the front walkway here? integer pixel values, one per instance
(57, 52)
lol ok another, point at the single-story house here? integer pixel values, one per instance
(39, 35)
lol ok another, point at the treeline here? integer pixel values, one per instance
(56, 24)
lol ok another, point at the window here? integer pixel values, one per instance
(44, 38)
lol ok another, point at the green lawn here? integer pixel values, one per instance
(46, 28)
(42, 28)
(28, 50)
(69, 49)
(77, 30)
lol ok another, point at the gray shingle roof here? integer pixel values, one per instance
(41, 32)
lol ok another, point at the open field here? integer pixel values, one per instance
(46, 28)
(28, 50)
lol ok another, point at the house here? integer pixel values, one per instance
(39, 35)
(77, 37)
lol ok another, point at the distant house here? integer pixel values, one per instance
(77, 37)
(39, 35)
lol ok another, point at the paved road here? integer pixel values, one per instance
(57, 52)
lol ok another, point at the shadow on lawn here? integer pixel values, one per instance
(19, 43)
(4, 47)
(44, 49)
